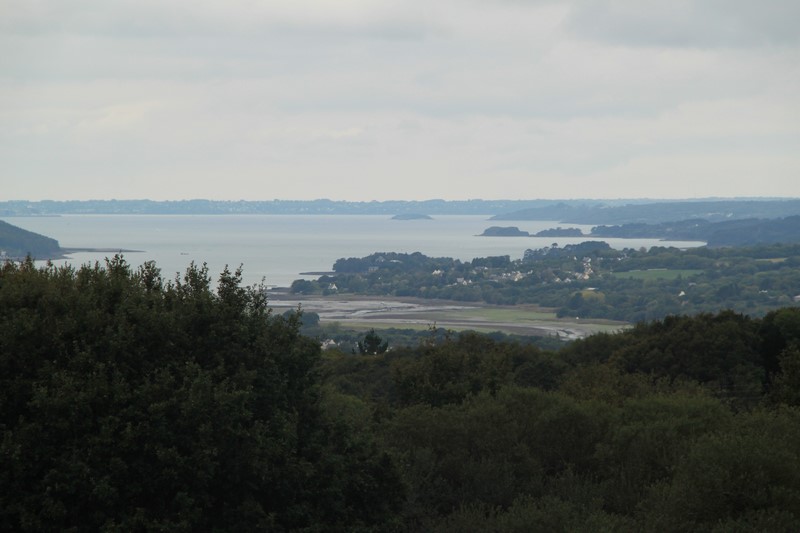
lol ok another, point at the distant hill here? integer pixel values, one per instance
(16, 242)
(582, 211)
(556, 210)
(655, 212)
(267, 207)
(785, 231)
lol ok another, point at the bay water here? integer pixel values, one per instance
(276, 249)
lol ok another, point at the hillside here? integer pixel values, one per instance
(16, 242)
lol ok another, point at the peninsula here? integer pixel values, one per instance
(18, 243)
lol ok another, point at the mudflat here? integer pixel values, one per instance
(417, 313)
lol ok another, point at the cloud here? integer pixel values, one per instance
(688, 23)
(381, 99)
(209, 18)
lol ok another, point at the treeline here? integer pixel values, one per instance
(746, 232)
(587, 280)
(16, 242)
(130, 402)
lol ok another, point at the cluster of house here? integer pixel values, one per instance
(516, 275)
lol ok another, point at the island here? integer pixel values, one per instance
(560, 232)
(499, 231)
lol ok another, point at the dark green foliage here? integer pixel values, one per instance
(786, 383)
(450, 371)
(779, 330)
(442, 369)
(584, 249)
(721, 351)
(647, 437)
(372, 344)
(618, 443)
(130, 403)
(491, 449)
(739, 478)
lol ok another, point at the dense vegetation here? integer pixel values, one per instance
(128, 402)
(745, 232)
(588, 280)
(686, 424)
(17, 243)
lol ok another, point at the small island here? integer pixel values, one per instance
(499, 231)
(412, 216)
(560, 232)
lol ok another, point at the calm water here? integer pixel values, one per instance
(277, 248)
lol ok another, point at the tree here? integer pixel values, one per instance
(373, 344)
(786, 384)
(744, 479)
(130, 403)
(303, 286)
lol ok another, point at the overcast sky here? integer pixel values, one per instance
(407, 99)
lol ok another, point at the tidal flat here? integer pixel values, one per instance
(415, 313)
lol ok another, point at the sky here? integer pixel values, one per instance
(406, 100)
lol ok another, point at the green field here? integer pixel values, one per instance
(658, 273)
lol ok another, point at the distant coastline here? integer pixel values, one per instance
(582, 211)
(277, 249)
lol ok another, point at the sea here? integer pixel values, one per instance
(278, 249)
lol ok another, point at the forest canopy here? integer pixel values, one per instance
(131, 402)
